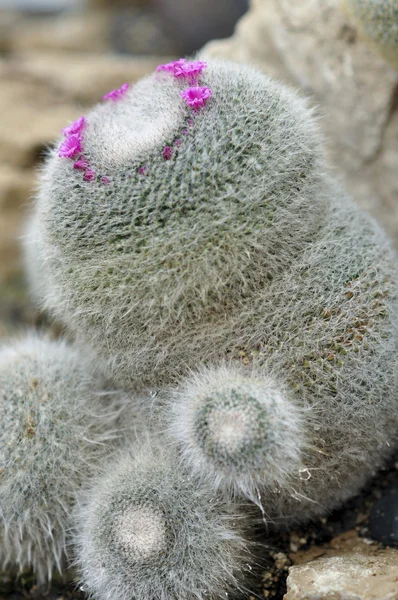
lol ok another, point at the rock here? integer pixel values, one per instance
(383, 522)
(315, 46)
(349, 570)
(84, 78)
(194, 23)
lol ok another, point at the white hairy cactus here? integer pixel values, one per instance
(199, 209)
(146, 529)
(207, 237)
(237, 432)
(56, 427)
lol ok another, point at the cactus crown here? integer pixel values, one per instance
(209, 194)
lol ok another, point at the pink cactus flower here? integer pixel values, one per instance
(142, 170)
(89, 175)
(75, 127)
(183, 68)
(167, 153)
(105, 180)
(196, 96)
(171, 66)
(185, 132)
(178, 142)
(117, 94)
(70, 147)
(81, 164)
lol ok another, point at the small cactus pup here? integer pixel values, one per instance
(236, 430)
(168, 205)
(56, 426)
(146, 529)
(378, 22)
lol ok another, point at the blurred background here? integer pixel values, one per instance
(57, 58)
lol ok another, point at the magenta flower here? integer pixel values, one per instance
(116, 95)
(171, 66)
(75, 127)
(89, 175)
(142, 170)
(105, 180)
(178, 142)
(183, 68)
(70, 147)
(81, 164)
(167, 153)
(196, 96)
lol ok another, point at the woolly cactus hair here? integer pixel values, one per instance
(146, 529)
(33, 259)
(378, 21)
(55, 428)
(240, 433)
(211, 191)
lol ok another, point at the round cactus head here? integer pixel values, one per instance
(169, 203)
(55, 429)
(148, 530)
(237, 432)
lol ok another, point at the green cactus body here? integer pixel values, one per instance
(378, 22)
(56, 428)
(145, 529)
(232, 255)
(138, 265)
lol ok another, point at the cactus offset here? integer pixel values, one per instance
(56, 427)
(146, 529)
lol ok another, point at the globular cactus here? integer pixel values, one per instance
(378, 22)
(56, 427)
(198, 230)
(146, 529)
(237, 432)
(184, 195)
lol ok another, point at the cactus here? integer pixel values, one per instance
(192, 198)
(378, 22)
(237, 432)
(198, 230)
(146, 529)
(57, 426)
(33, 260)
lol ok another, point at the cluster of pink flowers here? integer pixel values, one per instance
(183, 68)
(73, 143)
(117, 94)
(194, 96)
